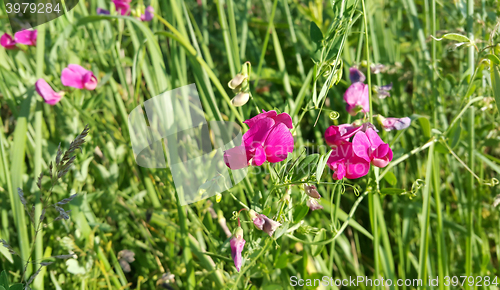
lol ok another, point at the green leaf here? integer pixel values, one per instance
(320, 236)
(281, 230)
(305, 167)
(281, 262)
(2, 288)
(300, 212)
(453, 36)
(392, 191)
(17, 286)
(424, 123)
(495, 84)
(4, 279)
(494, 59)
(315, 33)
(391, 178)
(321, 165)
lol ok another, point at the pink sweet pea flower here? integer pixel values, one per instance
(47, 93)
(77, 77)
(27, 37)
(7, 41)
(148, 14)
(345, 163)
(369, 147)
(237, 244)
(394, 123)
(122, 7)
(335, 135)
(357, 98)
(313, 204)
(268, 138)
(356, 75)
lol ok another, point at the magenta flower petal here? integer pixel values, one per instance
(361, 146)
(77, 77)
(356, 167)
(356, 75)
(7, 41)
(357, 98)
(122, 7)
(46, 92)
(148, 14)
(237, 244)
(285, 119)
(278, 143)
(339, 170)
(259, 157)
(27, 37)
(258, 133)
(263, 115)
(335, 135)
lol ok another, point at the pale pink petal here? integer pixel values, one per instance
(236, 158)
(237, 244)
(374, 138)
(313, 204)
(357, 98)
(89, 81)
(46, 92)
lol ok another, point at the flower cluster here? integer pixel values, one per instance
(269, 138)
(73, 76)
(26, 37)
(351, 157)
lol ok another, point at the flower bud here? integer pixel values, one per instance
(237, 244)
(313, 204)
(265, 224)
(240, 99)
(237, 81)
(311, 190)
